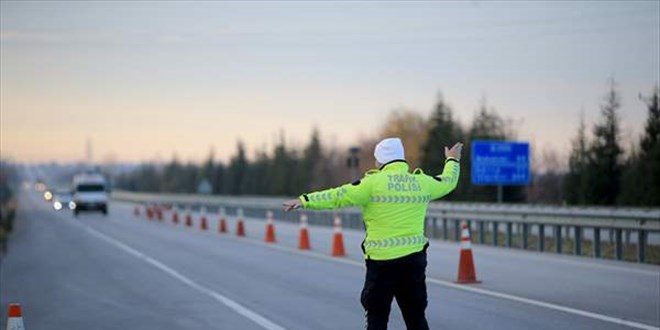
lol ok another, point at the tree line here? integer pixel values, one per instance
(284, 171)
(599, 171)
(600, 174)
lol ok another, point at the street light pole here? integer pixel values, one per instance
(353, 162)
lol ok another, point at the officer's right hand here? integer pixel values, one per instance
(291, 205)
(455, 151)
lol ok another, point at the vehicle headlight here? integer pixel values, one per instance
(72, 205)
(57, 206)
(48, 195)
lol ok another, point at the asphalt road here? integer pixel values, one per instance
(120, 272)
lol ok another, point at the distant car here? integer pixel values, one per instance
(48, 196)
(90, 193)
(63, 200)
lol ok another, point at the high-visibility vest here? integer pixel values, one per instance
(393, 203)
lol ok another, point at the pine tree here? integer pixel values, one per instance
(237, 170)
(650, 150)
(207, 170)
(170, 180)
(641, 178)
(219, 179)
(443, 131)
(309, 176)
(575, 181)
(281, 173)
(256, 179)
(604, 167)
(486, 125)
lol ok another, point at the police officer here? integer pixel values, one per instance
(393, 203)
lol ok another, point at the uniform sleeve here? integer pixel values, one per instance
(350, 194)
(442, 184)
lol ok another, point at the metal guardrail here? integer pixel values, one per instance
(444, 218)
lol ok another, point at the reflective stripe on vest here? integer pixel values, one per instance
(395, 242)
(397, 199)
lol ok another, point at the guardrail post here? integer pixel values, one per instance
(541, 245)
(495, 233)
(482, 233)
(457, 230)
(509, 234)
(577, 248)
(525, 232)
(445, 229)
(641, 242)
(618, 246)
(558, 244)
(596, 242)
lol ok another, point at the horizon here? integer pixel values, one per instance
(148, 81)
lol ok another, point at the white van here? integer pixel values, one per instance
(90, 193)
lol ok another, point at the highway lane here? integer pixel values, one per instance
(109, 273)
(67, 279)
(620, 289)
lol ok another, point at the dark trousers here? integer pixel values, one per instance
(404, 279)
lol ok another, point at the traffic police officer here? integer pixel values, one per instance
(393, 203)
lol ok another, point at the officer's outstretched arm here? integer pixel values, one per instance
(350, 194)
(442, 184)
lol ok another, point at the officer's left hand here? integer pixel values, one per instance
(291, 205)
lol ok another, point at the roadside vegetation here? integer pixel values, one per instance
(8, 184)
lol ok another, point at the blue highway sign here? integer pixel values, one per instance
(500, 163)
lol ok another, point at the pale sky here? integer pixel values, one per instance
(145, 80)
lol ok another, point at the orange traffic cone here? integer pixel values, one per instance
(270, 228)
(466, 271)
(136, 211)
(338, 239)
(150, 213)
(202, 222)
(303, 243)
(240, 227)
(159, 213)
(175, 217)
(222, 223)
(189, 221)
(15, 318)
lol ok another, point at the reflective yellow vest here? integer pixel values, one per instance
(393, 203)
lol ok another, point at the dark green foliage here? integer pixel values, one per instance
(443, 132)
(597, 172)
(604, 165)
(641, 178)
(486, 125)
(8, 181)
(285, 172)
(281, 172)
(310, 176)
(575, 181)
(236, 171)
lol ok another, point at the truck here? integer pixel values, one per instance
(90, 193)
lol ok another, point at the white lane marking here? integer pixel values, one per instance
(566, 259)
(490, 293)
(538, 303)
(238, 308)
(626, 267)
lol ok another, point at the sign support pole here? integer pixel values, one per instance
(500, 193)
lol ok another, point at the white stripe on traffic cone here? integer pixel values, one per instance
(15, 318)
